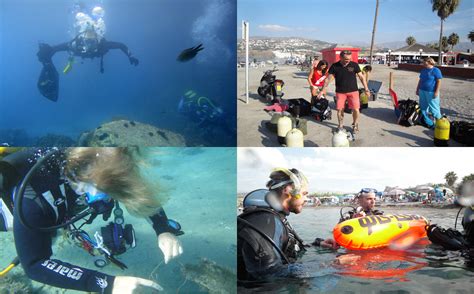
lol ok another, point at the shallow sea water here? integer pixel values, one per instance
(420, 269)
(201, 186)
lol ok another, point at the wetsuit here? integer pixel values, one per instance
(257, 257)
(451, 239)
(351, 214)
(77, 47)
(48, 201)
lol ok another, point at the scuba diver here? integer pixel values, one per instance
(452, 239)
(200, 109)
(189, 53)
(50, 189)
(88, 43)
(266, 242)
(366, 201)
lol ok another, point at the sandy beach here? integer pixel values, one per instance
(378, 124)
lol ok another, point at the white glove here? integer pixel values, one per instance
(169, 245)
(126, 285)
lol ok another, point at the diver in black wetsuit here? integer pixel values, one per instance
(366, 201)
(87, 44)
(53, 196)
(452, 239)
(266, 243)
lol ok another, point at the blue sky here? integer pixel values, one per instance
(345, 21)
(341, 170)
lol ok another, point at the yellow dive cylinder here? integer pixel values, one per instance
(364, 100)
(339, 139)
(441, 133)
(294, 138)
(284, 126)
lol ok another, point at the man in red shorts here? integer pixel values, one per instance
(345, 72)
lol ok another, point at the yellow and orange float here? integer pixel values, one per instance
(378, 231)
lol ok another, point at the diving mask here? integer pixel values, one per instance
(297, 179)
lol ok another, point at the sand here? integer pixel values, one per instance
(378, 124)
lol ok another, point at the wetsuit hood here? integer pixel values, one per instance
(264, 198)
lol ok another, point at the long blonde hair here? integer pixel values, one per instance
(115, 171)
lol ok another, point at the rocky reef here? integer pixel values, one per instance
(211, 277)
(129, 133)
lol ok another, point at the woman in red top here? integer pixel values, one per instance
(317, 76)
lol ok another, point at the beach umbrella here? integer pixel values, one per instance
(423, 189)
(396, 192)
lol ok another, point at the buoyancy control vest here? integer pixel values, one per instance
(263, 202)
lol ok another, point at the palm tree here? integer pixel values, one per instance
(444, 8)
(471, 36)
(453, 40)
(450, 178)
(410, 40)
(444, 44)
(373, 31)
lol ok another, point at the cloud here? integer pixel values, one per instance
(342, 170)
(274, 28)
(206, 29)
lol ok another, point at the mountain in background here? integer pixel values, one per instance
(262, 43)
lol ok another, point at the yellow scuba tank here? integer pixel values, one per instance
(339, 139)
(364, 100)
(294, 138)
(441, 133)
(68, 66)
(284, 126)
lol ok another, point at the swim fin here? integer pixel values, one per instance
(48, 82)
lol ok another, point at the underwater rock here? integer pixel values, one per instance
(55, 140)
(115, 133)
(212, 277)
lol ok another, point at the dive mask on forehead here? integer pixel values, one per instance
(297, 179)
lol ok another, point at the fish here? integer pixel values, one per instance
(212, 277)
(190, 53)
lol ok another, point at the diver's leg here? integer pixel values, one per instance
(46, 52)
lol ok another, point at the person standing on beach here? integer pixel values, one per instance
(266, 242)
(345, 72)
(428, 91)
(316, 77)
(366, 200)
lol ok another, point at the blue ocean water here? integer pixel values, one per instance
(201, 184)
(155, 31)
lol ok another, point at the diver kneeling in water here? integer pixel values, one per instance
(266, 242)
(366, 200)
(452, 239)
(58, 188)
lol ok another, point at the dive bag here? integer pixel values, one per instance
(299, 107)
(320, 109)
(409, 112)
(462, 132)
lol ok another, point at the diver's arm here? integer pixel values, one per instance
(34, 251)
(117, 45)
(167, 240)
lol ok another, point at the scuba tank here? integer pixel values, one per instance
(339, 139)
(284, 126)
(441, 134)
(294, 138)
